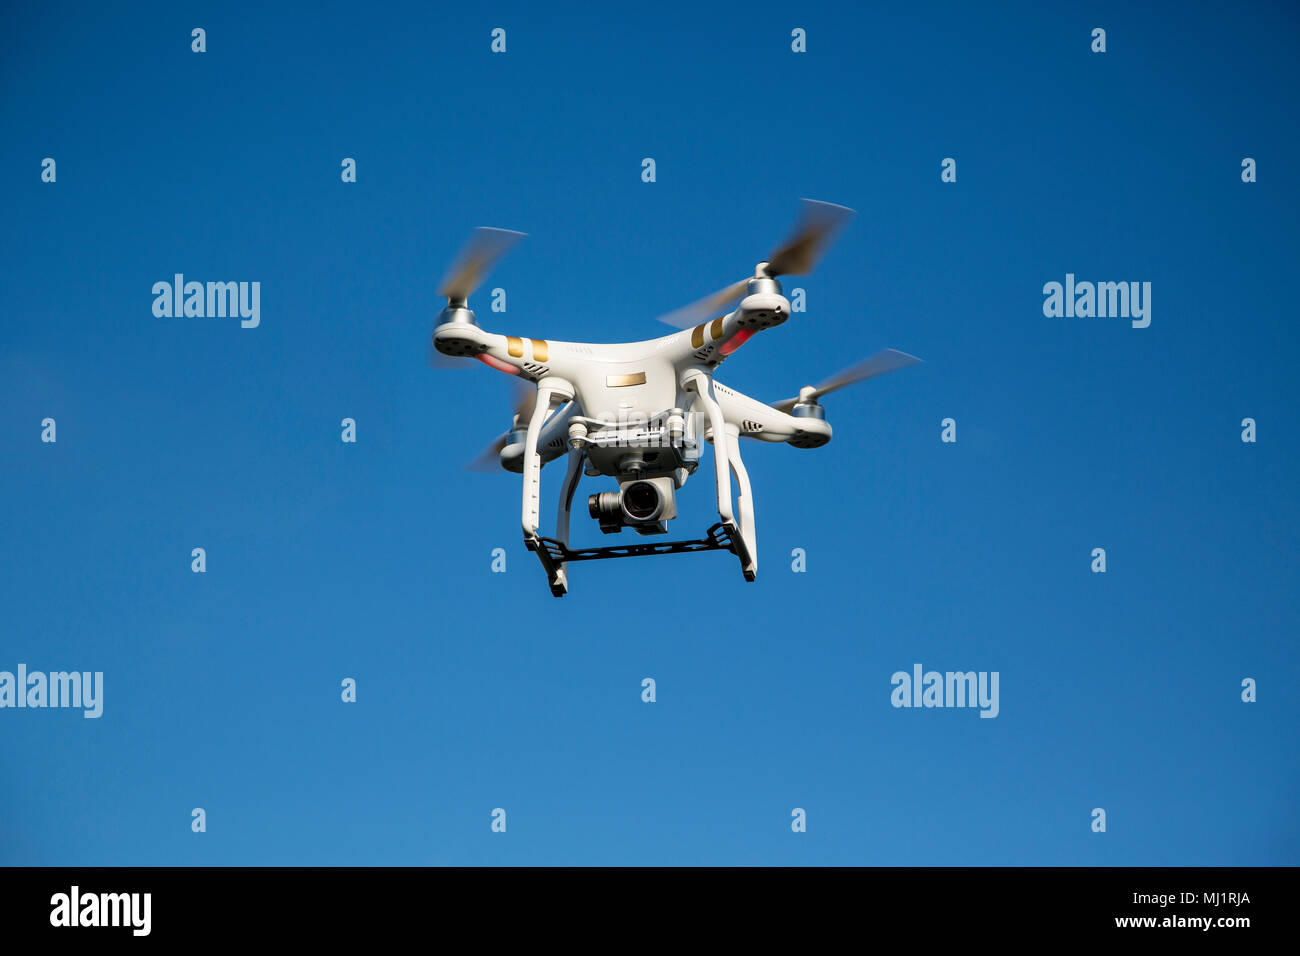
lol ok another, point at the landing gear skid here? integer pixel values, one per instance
(734, 533)
(555, 554)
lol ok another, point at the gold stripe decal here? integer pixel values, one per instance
(621, 381)
(697, 336)
(515, 346)
(715, 331)
(541, 351)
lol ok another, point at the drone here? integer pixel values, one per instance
(640, 412)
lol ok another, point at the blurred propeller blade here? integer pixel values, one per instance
(798, 255)
(818, 225)
(485, 247)
(490, 458)
(710, 307)
(525, 400)
(887, 361)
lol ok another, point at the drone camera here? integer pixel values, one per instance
(642, 501)
(643, 504)
(606, 509)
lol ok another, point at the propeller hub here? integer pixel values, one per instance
(456, 313)
(809, 410)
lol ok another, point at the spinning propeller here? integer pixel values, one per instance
(483, 251)
(887, 361)
(798, 255)
(525, 402)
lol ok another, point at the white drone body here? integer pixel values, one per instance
(639, 412)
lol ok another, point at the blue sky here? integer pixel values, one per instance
(478, 690)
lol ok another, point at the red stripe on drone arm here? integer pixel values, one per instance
(736, 341)
(497, 364)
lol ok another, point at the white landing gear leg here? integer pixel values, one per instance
(560, 579)
(696, 381)
(744, 503)
(549, 390)
(725, 454)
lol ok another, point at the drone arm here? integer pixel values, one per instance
(762, 422)
(505, 353)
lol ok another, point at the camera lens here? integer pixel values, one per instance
(641, 500)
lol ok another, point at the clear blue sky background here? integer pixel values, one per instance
(479, 690)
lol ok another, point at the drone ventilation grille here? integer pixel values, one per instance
(749, 426)
(533, 368)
